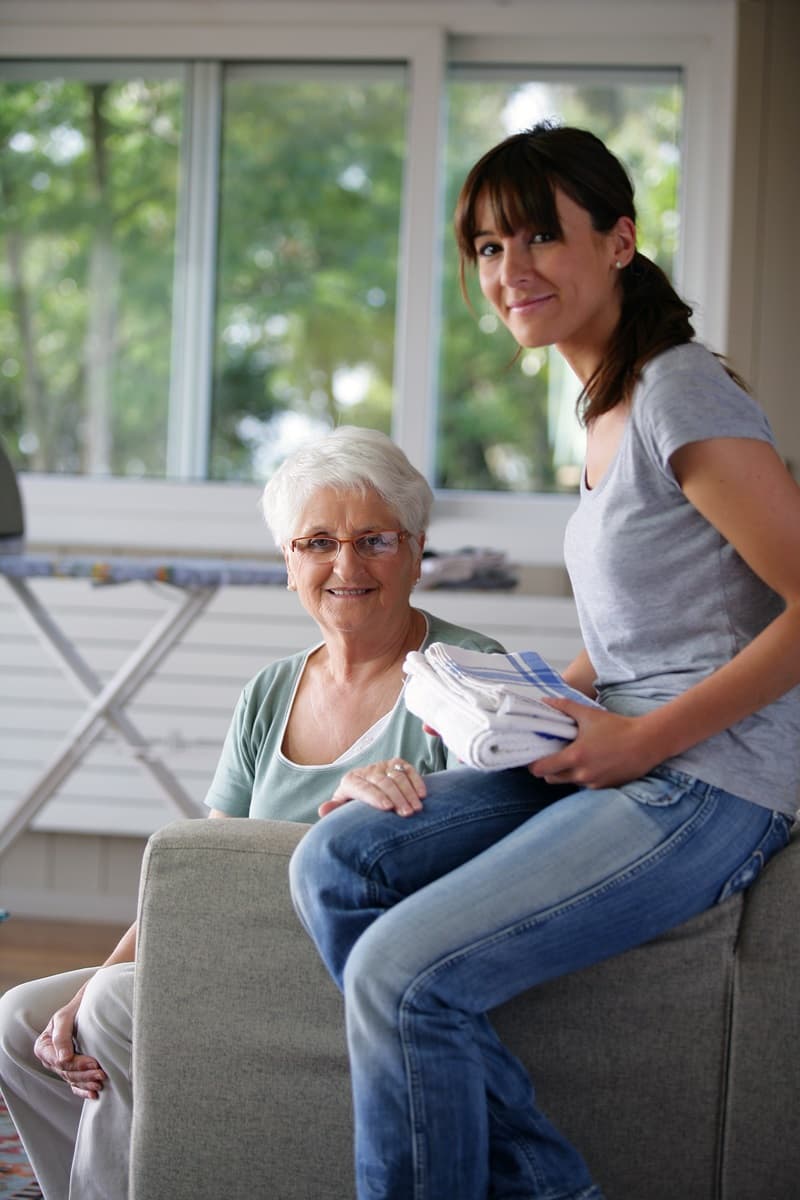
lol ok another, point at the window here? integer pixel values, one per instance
(88, 176)
(221, 307)
(311, 183)
(308, 194)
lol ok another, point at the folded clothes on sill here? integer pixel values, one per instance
(489, 708)
(470, 567)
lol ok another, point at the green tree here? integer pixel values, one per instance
(88, 177)
(310, 213)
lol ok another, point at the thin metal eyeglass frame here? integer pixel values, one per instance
(402, 536)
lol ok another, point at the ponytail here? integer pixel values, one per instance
(653, 319)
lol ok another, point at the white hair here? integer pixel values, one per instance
(348, 459)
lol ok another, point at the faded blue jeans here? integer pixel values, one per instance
(500, 883)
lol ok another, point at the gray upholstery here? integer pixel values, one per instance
(674, 1067)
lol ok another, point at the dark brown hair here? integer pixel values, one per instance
(518, 177)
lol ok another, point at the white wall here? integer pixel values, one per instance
(82, 858)
(765, 238)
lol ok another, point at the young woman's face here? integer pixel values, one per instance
(552, 289)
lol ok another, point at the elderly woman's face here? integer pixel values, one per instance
(352, 593)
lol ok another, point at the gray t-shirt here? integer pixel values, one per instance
(254, 778)
(663, 600)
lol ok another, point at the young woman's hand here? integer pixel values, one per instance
(392, 785)
(608, 750)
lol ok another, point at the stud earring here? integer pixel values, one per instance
(618, 265)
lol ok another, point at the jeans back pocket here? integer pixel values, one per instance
(659, 789)
(775, 838)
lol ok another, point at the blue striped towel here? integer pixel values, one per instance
(488, 708)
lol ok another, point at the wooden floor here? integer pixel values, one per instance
(31, 948)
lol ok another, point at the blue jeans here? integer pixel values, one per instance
(500, 883)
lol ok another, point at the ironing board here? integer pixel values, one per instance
(194, 582)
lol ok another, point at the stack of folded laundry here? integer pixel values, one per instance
(488, 708)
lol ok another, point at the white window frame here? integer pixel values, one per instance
(698, 38)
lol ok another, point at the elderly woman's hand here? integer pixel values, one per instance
(392, 785)
(55, 1049)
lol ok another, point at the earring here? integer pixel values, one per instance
(618, 265)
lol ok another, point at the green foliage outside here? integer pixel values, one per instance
(311, 189)
(88, 187)
(312, 175)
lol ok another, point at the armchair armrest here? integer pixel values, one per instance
(239, 1059)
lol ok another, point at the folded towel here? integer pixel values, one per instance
(488, 708)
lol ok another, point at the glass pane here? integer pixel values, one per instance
(312, 167)
(88, 182)
(506, 426)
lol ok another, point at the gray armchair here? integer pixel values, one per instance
(674, 1067)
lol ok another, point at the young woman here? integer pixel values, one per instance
(684, 554)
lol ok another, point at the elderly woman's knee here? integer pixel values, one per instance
(106, 1007)
(26, 1009)
(15, 1024)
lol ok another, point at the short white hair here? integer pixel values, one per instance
(348, 459)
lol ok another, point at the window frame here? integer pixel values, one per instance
(193, 516)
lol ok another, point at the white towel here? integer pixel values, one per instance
(488, 708)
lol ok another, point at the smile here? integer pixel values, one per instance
(347, 592)
(531, 304)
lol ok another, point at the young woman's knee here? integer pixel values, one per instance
(325, 854)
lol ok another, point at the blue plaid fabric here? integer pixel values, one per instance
(490, 709)
(524, 674)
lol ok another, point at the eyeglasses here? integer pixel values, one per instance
(322, 548)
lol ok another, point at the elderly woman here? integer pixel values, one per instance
(350, 515)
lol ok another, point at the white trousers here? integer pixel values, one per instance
(79, 1149)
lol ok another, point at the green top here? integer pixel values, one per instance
(254, 778)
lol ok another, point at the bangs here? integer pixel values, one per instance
(520, 194)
